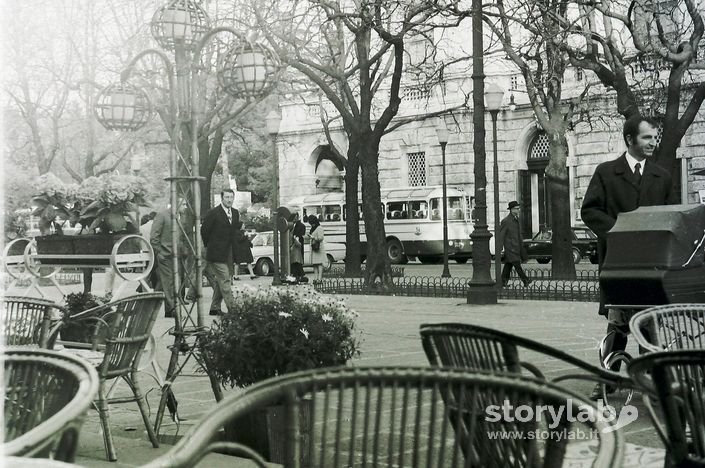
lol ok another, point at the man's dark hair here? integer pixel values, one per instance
(631, 126)
(229, 190)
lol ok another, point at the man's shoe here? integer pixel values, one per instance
(597, 392)
(215, 312)
(253, 277)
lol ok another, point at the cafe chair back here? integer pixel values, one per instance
(674, 384)
(484, 349)
(46, 396)
(670, 327)
(410, 417)
(27, 321)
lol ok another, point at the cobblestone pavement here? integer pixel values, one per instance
(390, 327)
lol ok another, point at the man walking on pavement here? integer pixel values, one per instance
(509, 238)
(618, 186)
(218, 231)
(160, 237)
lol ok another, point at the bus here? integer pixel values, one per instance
(413, 222)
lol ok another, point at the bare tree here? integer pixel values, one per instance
(353, 53)
(528, 32)
(651, 54)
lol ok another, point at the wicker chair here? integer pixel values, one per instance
(670, 327)
(676, 379)
(47, 394)
(420, 417)
(479, 348)
(126, 325)
(27, 321)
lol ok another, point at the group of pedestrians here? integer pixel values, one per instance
(318, 255)
(226, 247)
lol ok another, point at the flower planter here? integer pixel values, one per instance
(89, 244)
(264, 431)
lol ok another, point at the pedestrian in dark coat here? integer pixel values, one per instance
(510, 238)
(298, 231)
(619, 186)
(243, 253)
(218, 231)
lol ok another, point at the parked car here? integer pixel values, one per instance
(263, 253)
(584, 245)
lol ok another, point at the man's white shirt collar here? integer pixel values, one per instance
(227, 210)
(631, 160)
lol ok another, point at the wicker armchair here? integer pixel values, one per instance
(479, 348)
(420, 417)
(670, 327)
(47, 394)
(676, 379)
(127, 326)
(27, 321)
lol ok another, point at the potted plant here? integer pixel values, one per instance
(105, 206)
(274, 331)
(117, 201)
(81, 331)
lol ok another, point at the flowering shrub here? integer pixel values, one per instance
(54, 199)
(274, 331)
(115, 200)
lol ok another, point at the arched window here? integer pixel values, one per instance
(538, 151)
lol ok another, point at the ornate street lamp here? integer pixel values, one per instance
(273, 120)
(442, 134)
(121, 106)
(248, 70)
(493, 101)
(179, 23)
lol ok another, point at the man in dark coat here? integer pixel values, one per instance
(218, 231)
(509, 238)
(618, 186)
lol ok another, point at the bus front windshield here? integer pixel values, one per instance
(455, 208)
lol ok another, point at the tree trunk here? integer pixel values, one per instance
(563, 266)
(353, 255)
(379, 271)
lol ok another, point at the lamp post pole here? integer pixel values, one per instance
(446, 271)
(273, 121)
(481, 289)
(442, 134)
(493, 99)
(495, 187)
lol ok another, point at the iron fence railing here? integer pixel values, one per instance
(434, 286)
(339, 272)
(544, 274)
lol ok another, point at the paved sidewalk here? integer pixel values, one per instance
(390, 328)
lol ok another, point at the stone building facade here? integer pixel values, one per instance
(411, 155)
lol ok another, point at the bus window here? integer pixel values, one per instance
(315, 211)
(418, 209)
(397, 210)
(455, 208)
(436, 210)
(332, 212)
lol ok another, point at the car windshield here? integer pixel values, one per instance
(263, 238)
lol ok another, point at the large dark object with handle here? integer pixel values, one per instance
(655, 256)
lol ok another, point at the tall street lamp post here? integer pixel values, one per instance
(493, 100)
(273, 121)
(246, 71)
(481, 289)
(442, 134)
